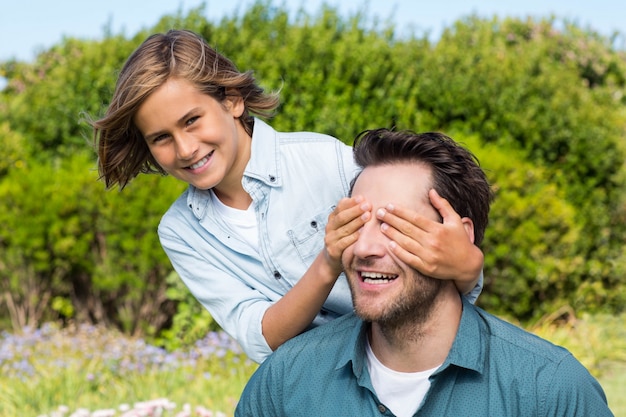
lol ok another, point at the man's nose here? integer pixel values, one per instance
(371, 241)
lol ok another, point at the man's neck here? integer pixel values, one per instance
(414, 347)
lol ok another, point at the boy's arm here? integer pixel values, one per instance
(291, 315)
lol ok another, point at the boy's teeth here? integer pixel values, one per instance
(198, 164)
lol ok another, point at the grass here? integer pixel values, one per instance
(86, 371)
(593, 340)
(613, 380)
(58, 372)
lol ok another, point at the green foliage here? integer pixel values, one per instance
(132, 266)
(13, 147)
(613, 383)
(595, 340)
(530, 244)
(541, 104)
(46, 212)
(46, 99)
(61, 242)
(528, 86)
(330, 70)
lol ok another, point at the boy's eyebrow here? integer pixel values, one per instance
(180, 121)
(187, 115)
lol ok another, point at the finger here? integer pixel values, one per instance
(346, 212)
(443, 206)
(336, 241)
(346, 241)
(342, 205)
(344, 223)
(338, 229)
(349, 202)
(410, 258)
(418, 247)
(406, 221)
(407, 245)
(419, 260)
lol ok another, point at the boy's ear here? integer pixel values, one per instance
(234, 103)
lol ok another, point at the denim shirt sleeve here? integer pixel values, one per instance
(233, 304)
(472, 296)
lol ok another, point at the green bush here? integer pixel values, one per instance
(541, 103)
(68, 241)
(531, 264)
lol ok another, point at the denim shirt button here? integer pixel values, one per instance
(314, 224)
(272, 178)
(276, 274)
(382, 408)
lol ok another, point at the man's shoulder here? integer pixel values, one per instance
(504, 333)
(560, 380)
(333, 331)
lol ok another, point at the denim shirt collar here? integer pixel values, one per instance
(264, 164)
(354, 353)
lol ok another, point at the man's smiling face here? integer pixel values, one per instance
(385, 289)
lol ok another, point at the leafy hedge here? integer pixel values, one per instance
(540, 102)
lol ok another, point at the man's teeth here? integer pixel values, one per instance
(377, 278)
(199, 163)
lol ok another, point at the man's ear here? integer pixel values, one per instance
(468, 224)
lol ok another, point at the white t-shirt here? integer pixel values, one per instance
(242, 223)
(401, 392)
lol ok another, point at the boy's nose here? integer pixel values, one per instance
(186, 147)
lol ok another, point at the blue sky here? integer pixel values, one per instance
(30, 25)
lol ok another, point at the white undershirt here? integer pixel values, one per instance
(401, 392)
(241, 223)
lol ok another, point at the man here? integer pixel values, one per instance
(415, 347)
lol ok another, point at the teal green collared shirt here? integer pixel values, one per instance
(493, 369)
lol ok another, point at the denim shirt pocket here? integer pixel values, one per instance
(307, 237)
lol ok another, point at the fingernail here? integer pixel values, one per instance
(390, 207)
(380, 213)
(365, 216)
(384, 226)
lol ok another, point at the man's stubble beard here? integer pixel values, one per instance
(407, 313)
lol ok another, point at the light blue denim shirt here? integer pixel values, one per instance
(295, 180)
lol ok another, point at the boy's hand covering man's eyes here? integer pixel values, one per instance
(342, 229)
(439, 250)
